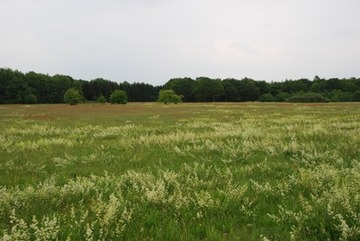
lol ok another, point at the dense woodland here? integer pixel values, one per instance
(17, 87)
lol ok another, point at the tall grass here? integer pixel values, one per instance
(183, 172)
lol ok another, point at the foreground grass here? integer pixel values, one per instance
(245, 171)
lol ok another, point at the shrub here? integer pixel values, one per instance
(308, 98)
(268, 97)
(169, 96)
(281, 96)
(118, 97)
(72, 96)
(101, 99)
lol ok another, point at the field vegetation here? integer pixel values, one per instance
(214, 171)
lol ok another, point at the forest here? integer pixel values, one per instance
(30, 88)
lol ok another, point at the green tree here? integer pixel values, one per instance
(98, 87)
(319, 86)
(14, 88)
(59, 84)
(356, 96)
(231, 89)
(248, 90)
(295, 86)
(339, 96)
(349, 86)
(182, 86)
(263, 86)
(72, 96)
(169, 96)
(40, 83)
(276, 88)
(30, 99)
(333, 84)
(206, 89)
(118, 97)
(140, 92)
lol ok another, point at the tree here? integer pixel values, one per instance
(263, 86)
(356, 96)
(140, 92)
(318, 86)
(169, 96)
(333, 84)
(59, 84)
(348, 85)
(72, 96)
(89, 91)
(40, 83)
(118, 97)
(231, 89)
(276, 88)
(339, 96)
(14, 88)
(206, 89)
(182, 86)
(294, 86)
(248, 90)
(103, 87)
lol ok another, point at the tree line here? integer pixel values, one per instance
(204, 89)
(17, 87)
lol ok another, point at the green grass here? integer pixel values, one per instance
(215, 171)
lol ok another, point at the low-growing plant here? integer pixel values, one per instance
(244, 171)
(169, 96)
(118, 97)
(101, 99)
(72, 96)
(308, 98)
(268, 97)
(282, 96)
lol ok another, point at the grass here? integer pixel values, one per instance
(215, 171)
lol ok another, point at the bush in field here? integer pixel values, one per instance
(169, 96)
(101, 99)
(268, 97)
(281, 96)
(72, 96)
(118, 97)
(308, 98)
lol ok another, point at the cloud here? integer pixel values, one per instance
(152, 41)
(244, 48)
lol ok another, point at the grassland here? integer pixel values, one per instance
(245, 171)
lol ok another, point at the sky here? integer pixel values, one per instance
(153, 41)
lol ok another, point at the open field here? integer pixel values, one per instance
(246, 171)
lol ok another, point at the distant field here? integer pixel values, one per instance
(147, 171)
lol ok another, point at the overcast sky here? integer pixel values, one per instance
(154, 40)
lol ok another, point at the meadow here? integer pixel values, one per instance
(148, 171)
